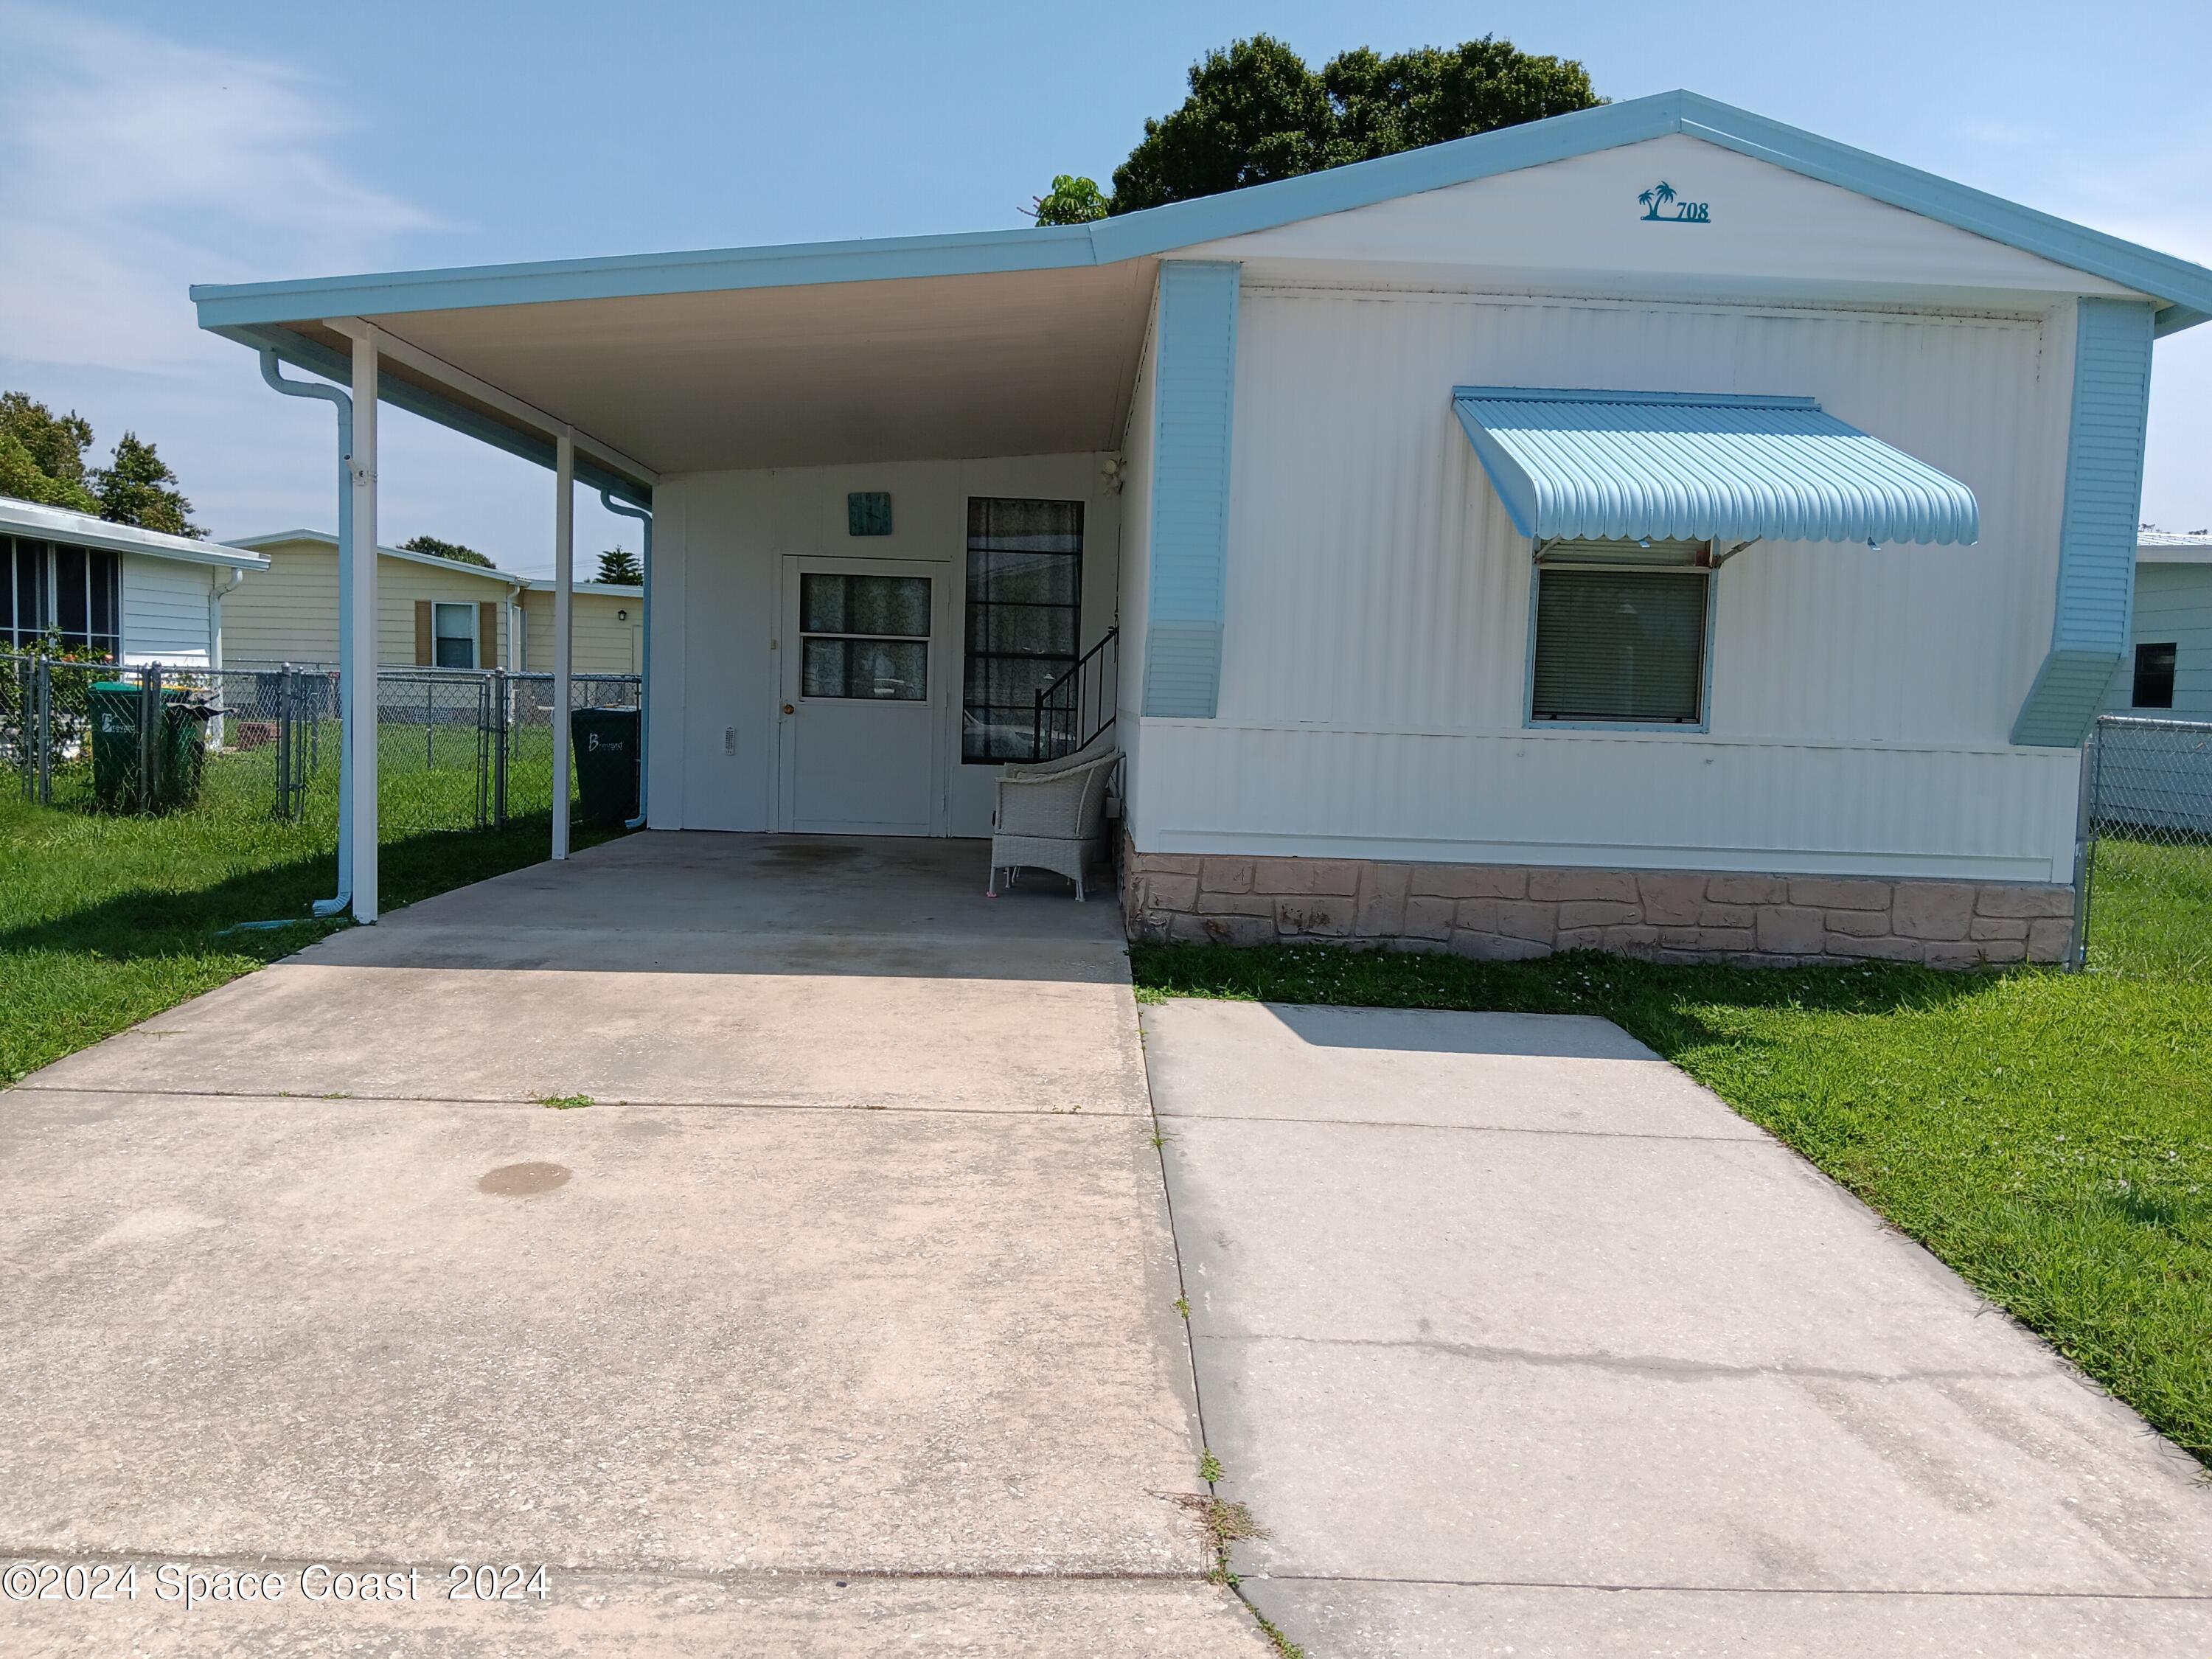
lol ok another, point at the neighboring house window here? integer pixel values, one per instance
(1024, 593)
(864, 636)
(74, 592)
(2154, 675)
(453, 635)
(1620, 634)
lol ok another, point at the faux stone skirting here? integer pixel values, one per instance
(1514, 911)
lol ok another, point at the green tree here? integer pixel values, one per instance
(442, 550)
(137, 488)
(1071, 201)
(619, 565)
(42, 453)
(1256, 112)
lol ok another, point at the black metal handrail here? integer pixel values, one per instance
(1077, 708)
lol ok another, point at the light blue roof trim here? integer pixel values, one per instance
(2187, 288)
(1692, 467)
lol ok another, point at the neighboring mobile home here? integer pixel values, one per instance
(1654, 528)
(2168, 674)
(431, 612)
(135, 596)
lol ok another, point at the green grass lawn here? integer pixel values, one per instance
(106, 919)
(2048, 1134)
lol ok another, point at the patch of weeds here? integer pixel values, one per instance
(566, 1103)
(1183, 1306)
(1209, 1468)
(1283, 1646)
(1225, 1523)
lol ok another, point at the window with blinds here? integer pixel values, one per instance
(1620, 634)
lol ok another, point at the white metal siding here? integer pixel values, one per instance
(1373, 670)
(165, 610)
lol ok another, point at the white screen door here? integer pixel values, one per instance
(864, 694)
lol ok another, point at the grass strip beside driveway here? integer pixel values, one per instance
(2047, 1134)
(108, 919)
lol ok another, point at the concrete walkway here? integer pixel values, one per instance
(842, 1322)
(1519, 1342)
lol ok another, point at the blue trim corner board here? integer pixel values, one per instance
(2089, 626)
(1196, 377)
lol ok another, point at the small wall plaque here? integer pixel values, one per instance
(868, 513)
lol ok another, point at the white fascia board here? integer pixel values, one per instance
(58, 524)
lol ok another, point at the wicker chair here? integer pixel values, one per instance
(1051, 817)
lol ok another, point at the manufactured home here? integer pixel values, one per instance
(432, 612)
(1654, 528)
(2167, 673)
(126, 594)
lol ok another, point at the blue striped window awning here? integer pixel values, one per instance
(1697, 466)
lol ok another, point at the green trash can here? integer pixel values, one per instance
(606, 746)
(119, 752)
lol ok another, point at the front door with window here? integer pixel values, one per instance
(862, 719)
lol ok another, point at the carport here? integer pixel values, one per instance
(616, 374)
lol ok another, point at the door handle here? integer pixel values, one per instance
(789, 709)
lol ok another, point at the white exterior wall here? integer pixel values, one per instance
(1372, 694)
(719, 542)
(164, 608)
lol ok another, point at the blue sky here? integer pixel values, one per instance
(143, 146)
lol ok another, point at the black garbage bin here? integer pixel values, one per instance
(607, 755)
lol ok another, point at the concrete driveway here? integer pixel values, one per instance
(1519, 1342)
(841, 1323)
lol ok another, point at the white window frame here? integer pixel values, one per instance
(1704, 567)
(476, 645)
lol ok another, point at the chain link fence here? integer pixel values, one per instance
(455, 751)
(2147, 895)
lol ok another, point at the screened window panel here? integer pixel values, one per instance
(72, 600)
(8, 589)
(1023, 616)
(30, 590)
(1625, 645)
(879, 670)
(897, 606)
(106, 588)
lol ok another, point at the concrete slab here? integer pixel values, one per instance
(707, 1356)
(634, 1616)
(1558, 1073)
(1482, 1350)
(1505, 1621)
(728, 1339)
(743, 969)
(1637, 1252)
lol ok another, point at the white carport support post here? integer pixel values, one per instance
(564, 584)
(361, 698)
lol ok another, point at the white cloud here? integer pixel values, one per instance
(131, 167)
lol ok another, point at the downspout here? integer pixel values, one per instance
(224, 579)
(645, 656)
(338, 902)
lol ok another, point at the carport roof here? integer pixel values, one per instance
(1004, 342)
